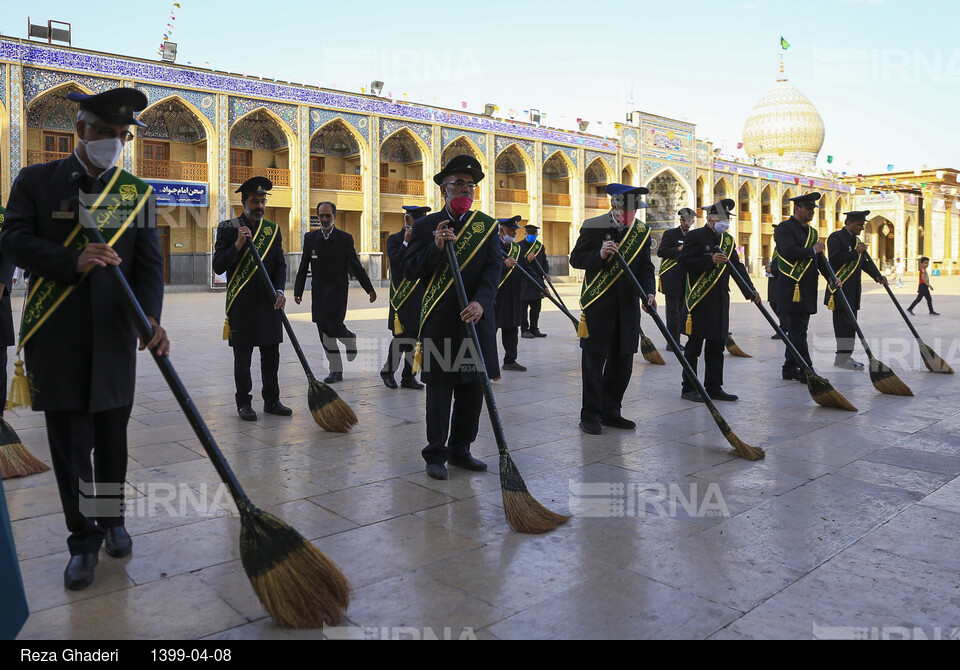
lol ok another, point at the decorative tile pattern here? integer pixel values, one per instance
(555, 167)
(569, 152)
(304, 114)
(240, 107)
(609, 160)
(222, 135)
(389, 126)
(204, 102)
(36, 82)
(320, 117)
(172, 121)
(400, 148)
(335, 139)
(3, 84)
(524, 145)
(629, 141)
(450, 135)
(15, 105)
(52, 112)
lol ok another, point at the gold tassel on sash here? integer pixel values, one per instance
(689, 328)
(660, 285)
(830, 304)
(226, 328)
(796, 292)
(20, 391)
(418, 358)
(397, 328)
(582, 330)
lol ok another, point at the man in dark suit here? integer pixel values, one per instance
(798, 249)
(82, 357)
(329, 254)
(613, 316)
(450, 365)
(846, 254)
(534, 261)
(409, 300)
(508, 308)
(252, 311)
(706, 251)
(671, 278)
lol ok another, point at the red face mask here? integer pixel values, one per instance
(626, 218)
(461, 204)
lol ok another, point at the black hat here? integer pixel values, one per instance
(462, 163)
(530, 228)
(116, 106)
(687, 213)
(258, 185)
(857, 216)
(806, 200)
(513, 222)
(416, 211)
(722, 208)
(625, 189)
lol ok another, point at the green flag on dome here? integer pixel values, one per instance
(784, 44)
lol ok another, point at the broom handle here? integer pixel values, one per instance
(547, 281)
(776, 326)
(472, 334)
(145, 330)
(846, 305)
(897, 303)
(533, 280)
(283, 315)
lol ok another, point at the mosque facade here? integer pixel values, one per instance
(208, 131)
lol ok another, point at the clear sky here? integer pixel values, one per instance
(884, 74)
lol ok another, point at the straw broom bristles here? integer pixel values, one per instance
(734, 349)
(933, 362)
(297, 585)
(15, 459)
(523, 512)
(886, 381)
(825, 395)
(742, 448)
(329, 410)
(649, 351)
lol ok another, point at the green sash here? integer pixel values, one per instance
(112, 212)
(514, 254)
(263, 239)
(795, 271)
(667, 264)
(470, 239)
(534, 249)
(694, 294)
(843, 274)
(398, 295)
(637, 236)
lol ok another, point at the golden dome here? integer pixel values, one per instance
(784, 129)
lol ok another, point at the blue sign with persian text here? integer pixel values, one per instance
(178, 194)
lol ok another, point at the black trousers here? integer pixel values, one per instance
(461, 427)
(534, 307)
(605, 380)
(401, 346)
(923, 291)
(73, 437)
(510, 337)
(795, 326)
(3, 379)
(269, 369)
(712, 361)
(843, 330)
(676, 315)
(329, 334)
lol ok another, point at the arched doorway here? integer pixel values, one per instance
(595, 179)
(879, 234)
(511, 176)
(667, 196)
(459, 147)
(51, 125)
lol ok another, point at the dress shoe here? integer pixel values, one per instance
(670, 349)
(796, 374)
(467, 462)
(516, 367)
(333, 377)
(847, 363)
(527, 335)
(246, 413)
(911, 312)
(536, 332)
(720, 394)
(411, 383)
(590, 427)
(934, 313)
(79, 572)
(118, 543)
(277, 408)
(437, 471)
(776, 336)
(692, 396)
(618, 422)
(388, 380)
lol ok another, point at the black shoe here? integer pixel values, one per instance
(618, 422)
(934, 313)
(796, 374)
(911, 312)
(79, 572)
(590, 427)
(388, 380)
(467, 462)
(536, 332)
(722, 395)
(118, 543)
(437, 471)
(277, 408)
(516, 367)
(776, 336)
(246, 413)
(527, 335)
(333, 377)
(411, 383)
(692, 396)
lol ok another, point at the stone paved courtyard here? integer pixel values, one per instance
(849, 528)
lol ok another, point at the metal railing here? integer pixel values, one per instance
(329, 181)
(37, 157)
(241, 173)
(172, 170)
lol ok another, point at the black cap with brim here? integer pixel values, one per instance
(857, 216)
(806, 200)
(626, 189)
(532, 229)
(416, 211)
(463, 163)
(513, 222)
(116, 106)
(258, 185)
(722, 208)
(687, 213)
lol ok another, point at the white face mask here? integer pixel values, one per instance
(103, 154)
(721, 226)
(509, 238)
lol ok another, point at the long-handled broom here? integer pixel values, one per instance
(297, 585)
(741, 448)
(734, 349)
(884, 379)
(524, 513)
(930, 358)
(820, 388)
(329, 410)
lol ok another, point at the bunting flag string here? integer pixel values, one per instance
(170, 26)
